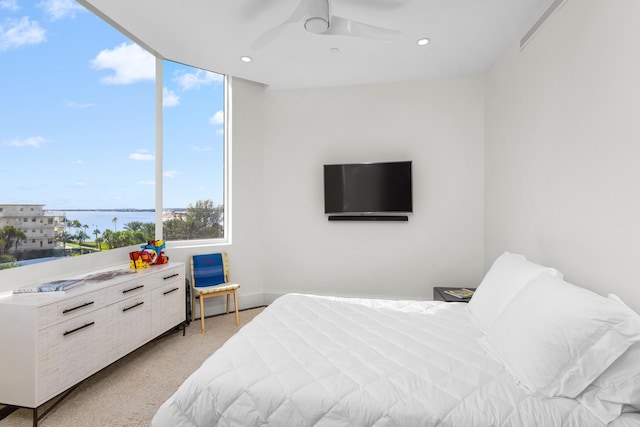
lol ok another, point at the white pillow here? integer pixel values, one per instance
(556, 338)
(617, 388)
(506, 277)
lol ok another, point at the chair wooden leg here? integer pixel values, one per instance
(193, 304)
(235, 300)
(228, 295)
(202, 312)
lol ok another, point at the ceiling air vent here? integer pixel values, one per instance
(540, 22)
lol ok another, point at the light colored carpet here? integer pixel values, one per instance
(129, 392)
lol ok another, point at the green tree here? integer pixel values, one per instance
(95, 233)
(148, 229)
(73, 224)
(81, 237)
(119, 239)
(63, 237)
(11, 236)
(202, 221)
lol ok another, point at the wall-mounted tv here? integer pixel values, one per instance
(368, 188)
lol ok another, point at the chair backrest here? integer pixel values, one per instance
(209, 269)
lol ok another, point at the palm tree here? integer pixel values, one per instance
(75, 224)
(82, 236)
(11, 236)
(96, 232)
(69, 224)
(85, 235)
(115, 223)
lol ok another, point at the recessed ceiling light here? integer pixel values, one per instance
(246, 58)
(423, 42)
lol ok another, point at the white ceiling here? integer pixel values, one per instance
(467, 36)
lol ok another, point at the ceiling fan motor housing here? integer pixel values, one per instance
(318, 16)
(316, 25)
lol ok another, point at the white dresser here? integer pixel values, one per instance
(51, 341)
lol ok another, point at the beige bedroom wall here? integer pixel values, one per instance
(438, 125)
(563, 148)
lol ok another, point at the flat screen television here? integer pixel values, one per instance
(368, 188)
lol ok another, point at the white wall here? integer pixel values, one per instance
(554, 146)
(246, 252)
(436, 124)
(563, 148)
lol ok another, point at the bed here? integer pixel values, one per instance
(310, 360)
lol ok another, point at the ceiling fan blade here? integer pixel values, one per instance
(268, 36)
(250, 9)
(379, 4)
(346, 27)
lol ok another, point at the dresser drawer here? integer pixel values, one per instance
(162, 278)
(129, 323)
(127, 289)
(168, 306)
(70, 308)
(69, 352)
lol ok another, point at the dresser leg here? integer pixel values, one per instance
(60, 398)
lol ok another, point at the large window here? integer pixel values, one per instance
(78, 138)
(194, 152)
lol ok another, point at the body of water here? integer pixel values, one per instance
(103, 220)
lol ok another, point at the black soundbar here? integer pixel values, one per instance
(368, 218)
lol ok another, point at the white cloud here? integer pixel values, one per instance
(200, 149)
(188, 81)
(78, 106)
(33, 141)
(79, 162)
(59, 9)
(169, 98)
(9, 5)
(217, 118)
(146, 182)
(141, 155)
(170, 174)
(129, 63)
(19, 33)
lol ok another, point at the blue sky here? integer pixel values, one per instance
(77, 115)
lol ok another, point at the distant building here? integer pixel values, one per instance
(39, 227)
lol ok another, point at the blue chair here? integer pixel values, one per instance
(210, 278)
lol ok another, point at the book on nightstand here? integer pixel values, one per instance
(459, 293)
(53, 286)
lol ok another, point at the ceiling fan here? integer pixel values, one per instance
(316, 18)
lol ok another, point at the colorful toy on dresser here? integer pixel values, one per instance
(151, 253)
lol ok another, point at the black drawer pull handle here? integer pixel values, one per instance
(133, 306)
(171, 290)
(86, 325)
(76, 308)
(173, 275)
(132, 289)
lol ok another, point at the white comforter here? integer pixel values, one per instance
(326, 361)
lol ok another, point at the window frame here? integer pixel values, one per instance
(226, 226)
